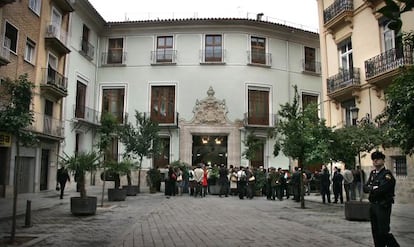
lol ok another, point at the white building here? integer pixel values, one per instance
(208, 82)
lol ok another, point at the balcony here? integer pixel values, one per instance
(338, 14)
(56, 39)
(344, 85)
(64, 5)
(311, 67)
(87, 50)
(257, 120)
(53, 83)
(381, 69)
(87, 115)
(164, 121)
(114, 58)
(122, 117)
(212, 57)
(47, 126)
(4, 2)
(259, 59)
(164, 57)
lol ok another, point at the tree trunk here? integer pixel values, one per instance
(139, 174)
(15, 191)
(82, 185)
(103, 187)
(301, 190)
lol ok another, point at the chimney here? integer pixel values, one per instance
(259, 16)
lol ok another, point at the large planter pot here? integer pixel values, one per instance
(357, 210)
(131, 190)
(215, 189)
(83, 206)
(117, 194)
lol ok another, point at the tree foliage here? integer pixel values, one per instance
(398, 115)
(393, 10)
(253, 144)
(301, 134)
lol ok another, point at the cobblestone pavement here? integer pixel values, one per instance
(154, 220)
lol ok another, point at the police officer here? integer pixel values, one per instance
(380, 186)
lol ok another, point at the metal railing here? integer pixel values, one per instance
(336, 8)
(389, 60)
(216, 56)
(54, 78)
(164, 56)
(86, 113)
(122, 117)
(163, 120)
(311, 66)
(259, 58)
(113, 57)
(53, 30)
(47, 125)
(259, 120)
(345, 78)
(87, 49)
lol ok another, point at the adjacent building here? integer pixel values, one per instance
(360, 56)
(34, 42)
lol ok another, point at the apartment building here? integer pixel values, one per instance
(34, 41)
(207, 82)
(360, 56)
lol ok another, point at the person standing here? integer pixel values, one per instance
(241, 182)
(325, 183)
(381, 187)
(295, 182)
(348, 180)
(62, 177)
(337, 185)
(224, 180)
(198, 178)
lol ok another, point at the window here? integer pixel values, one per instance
(86, 47)
(162, 159)
(113, 102)
(346, 106)
(164, 49)
(29, 53)
(115, 51)
(80, 100)
(111, 152)
(345, 52)
(163, 104)
(258, 107)
(391, 42)
(10, 40)
(308, 99)
(310, 59)
(258, 50)
(400, 165)
(213, 48)
(48, 118)
(35, 6)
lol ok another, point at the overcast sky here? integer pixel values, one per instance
(297, 13)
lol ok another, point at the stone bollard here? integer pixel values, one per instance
(28, 217)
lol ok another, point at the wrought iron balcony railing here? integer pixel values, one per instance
(164, 56)
(345, 78)
(122, 117)
(311, 66)
(388, 61)
(54, 78)
(336, 8)
(259, 58)
(212, 56)
(87, 49)
(113, 57)
(87, 114)
(164, 120)
(47, 125)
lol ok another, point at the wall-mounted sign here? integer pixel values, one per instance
(5, 139)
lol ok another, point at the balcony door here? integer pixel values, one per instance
(80, 100)
(113, 102)
(56, 22)
(258, 107)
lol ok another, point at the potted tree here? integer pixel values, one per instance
(115, 171)
(153, 179)
(79, 164)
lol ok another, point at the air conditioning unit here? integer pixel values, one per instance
(51, 30)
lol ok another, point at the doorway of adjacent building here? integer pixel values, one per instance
(209, 150)
(27, 173)
(4, 153)
(44, 169)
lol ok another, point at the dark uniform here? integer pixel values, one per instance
(380, 186)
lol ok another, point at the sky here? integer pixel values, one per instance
(297, 13)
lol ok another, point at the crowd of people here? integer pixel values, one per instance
(246, 182)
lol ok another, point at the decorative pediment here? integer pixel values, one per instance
(210, 110)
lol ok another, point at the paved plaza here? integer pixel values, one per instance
(154, 220)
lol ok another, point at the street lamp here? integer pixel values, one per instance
(354, 116)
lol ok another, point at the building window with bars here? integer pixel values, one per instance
(400, 165)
